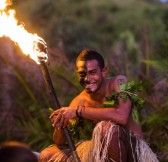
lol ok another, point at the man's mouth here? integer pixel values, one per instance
(89, 85)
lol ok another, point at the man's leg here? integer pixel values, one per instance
(54, 153)
(114, 142)
(117, 147)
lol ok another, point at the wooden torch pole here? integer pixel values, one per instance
(56, 104)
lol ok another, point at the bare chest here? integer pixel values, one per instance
(94, 103)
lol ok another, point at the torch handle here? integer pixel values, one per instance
(56, 104)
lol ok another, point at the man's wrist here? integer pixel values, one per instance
(79, 111)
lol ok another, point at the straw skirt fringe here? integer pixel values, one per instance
(96, 149)
(144, 152)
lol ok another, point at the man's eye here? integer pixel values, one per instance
(93, 72)
(82, 75)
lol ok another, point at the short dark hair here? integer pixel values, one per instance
(86, 55)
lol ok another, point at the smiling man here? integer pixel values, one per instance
(90, 73)
(116, 137)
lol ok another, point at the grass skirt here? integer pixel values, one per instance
(97, 149)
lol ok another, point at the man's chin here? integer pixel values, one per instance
(88, 91)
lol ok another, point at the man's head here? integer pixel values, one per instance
(16, 154)
(91, 70)
(87, 55)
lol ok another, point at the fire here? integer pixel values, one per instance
(29, 43)
(4, 3)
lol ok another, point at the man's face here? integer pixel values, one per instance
(90, 75)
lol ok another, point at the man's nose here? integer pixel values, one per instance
(87, 77)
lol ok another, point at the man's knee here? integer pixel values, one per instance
(110, 133)
(108, 127)
(48, 153)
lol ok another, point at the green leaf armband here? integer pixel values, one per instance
(128, 90)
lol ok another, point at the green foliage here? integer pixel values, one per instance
(51, 110)
(128, 90)
(33, 120)
(74, 131)
(24, 84)
(161, 65)
(154, 120)
(70, 80)
(36, 128)
(30, 117)
(81, 131)
(155, 127)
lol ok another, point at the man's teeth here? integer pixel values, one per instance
(90, 84)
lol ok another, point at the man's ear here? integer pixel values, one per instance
(104, 71)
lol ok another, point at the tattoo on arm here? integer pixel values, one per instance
(120, 81)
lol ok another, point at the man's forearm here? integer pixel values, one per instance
(118, 115)
(99, 114)
(59, 137)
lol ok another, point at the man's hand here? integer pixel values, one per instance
(60, 118)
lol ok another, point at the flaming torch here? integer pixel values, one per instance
(36, 48)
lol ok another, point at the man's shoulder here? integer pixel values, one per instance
(80, 96)
(120, 77)
(79, 99)
(116, 81)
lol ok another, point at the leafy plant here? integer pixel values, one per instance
(83, 130)
(155, 127)
(74, 131)
(127, 90)
(36, 127)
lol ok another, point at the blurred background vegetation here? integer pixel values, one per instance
(132, 36)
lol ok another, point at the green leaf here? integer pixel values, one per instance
(127, 90)
(51, 110)
(124, 97)
(140, 101)
(123, 87)
(134, 98)
(109, 103)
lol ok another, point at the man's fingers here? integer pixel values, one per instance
(61, 121)
(58, 117)
(53, 119)
(54, 114)
(65, 123)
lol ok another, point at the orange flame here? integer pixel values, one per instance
(27, 42)
(4, 3)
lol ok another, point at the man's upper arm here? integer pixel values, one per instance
(124, 107)
(119, 80)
